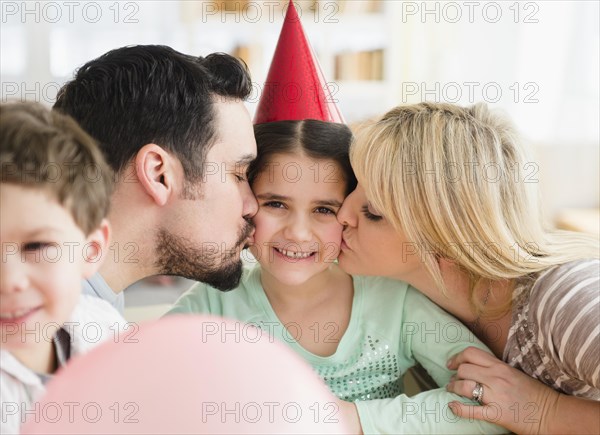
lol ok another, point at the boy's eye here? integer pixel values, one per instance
(325, 210)
(369, 215)
(274, 204)
(35, 246)
(241, 177)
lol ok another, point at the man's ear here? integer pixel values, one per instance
(96, 248)
(155, 171)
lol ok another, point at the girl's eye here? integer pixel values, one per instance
(369, 215)
(324, 210)
(274, 204)
(240, 178)
(35, 246)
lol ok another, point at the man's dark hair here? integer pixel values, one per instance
(132, 96)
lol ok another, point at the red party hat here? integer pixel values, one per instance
(295, 88)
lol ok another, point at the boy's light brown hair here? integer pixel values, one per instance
(43, 149)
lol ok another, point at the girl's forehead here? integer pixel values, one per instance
(300, 176)
(299, 159)
(294, 167)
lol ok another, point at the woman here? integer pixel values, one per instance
(446, 201)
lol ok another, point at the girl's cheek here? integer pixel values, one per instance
(333, 234)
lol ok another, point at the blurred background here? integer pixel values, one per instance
(536, 60)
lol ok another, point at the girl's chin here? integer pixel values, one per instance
(346, 265)
(295, 278)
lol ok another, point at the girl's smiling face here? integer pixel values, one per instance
(297, 234)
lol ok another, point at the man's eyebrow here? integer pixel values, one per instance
(245, 160)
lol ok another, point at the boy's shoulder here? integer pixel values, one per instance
(19, 387)
(95, 309)
(93, 321)
(96, 286)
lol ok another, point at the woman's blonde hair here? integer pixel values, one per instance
(457, 183)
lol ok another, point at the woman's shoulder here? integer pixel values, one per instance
(566, 280)
(573, 270)
(564, 293)
(563, 316)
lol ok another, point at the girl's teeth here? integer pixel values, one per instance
(295, 255)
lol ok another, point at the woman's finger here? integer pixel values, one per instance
(464, 388)
(471, 355)
(473, 372)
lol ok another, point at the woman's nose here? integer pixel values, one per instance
(346, 215)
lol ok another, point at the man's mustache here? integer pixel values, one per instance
(245, 233)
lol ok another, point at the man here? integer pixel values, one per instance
(175, 131)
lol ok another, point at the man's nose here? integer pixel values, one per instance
(250, 206)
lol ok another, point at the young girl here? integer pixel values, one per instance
(360, 334)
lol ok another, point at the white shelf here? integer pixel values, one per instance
(62, 47)
(330, 35)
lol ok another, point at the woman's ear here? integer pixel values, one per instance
(96, 248)
(155, 172)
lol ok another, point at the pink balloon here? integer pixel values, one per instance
(187, 374)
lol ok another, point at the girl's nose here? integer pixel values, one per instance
(298, 229)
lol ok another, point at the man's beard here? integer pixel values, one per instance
(210, 264)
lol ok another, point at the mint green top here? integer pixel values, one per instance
(392, 327)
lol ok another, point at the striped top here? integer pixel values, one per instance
(555, 331)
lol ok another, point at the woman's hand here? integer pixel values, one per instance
(510, 398)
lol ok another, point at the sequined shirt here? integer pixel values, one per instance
(392, 327)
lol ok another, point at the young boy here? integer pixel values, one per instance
(54, 196)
